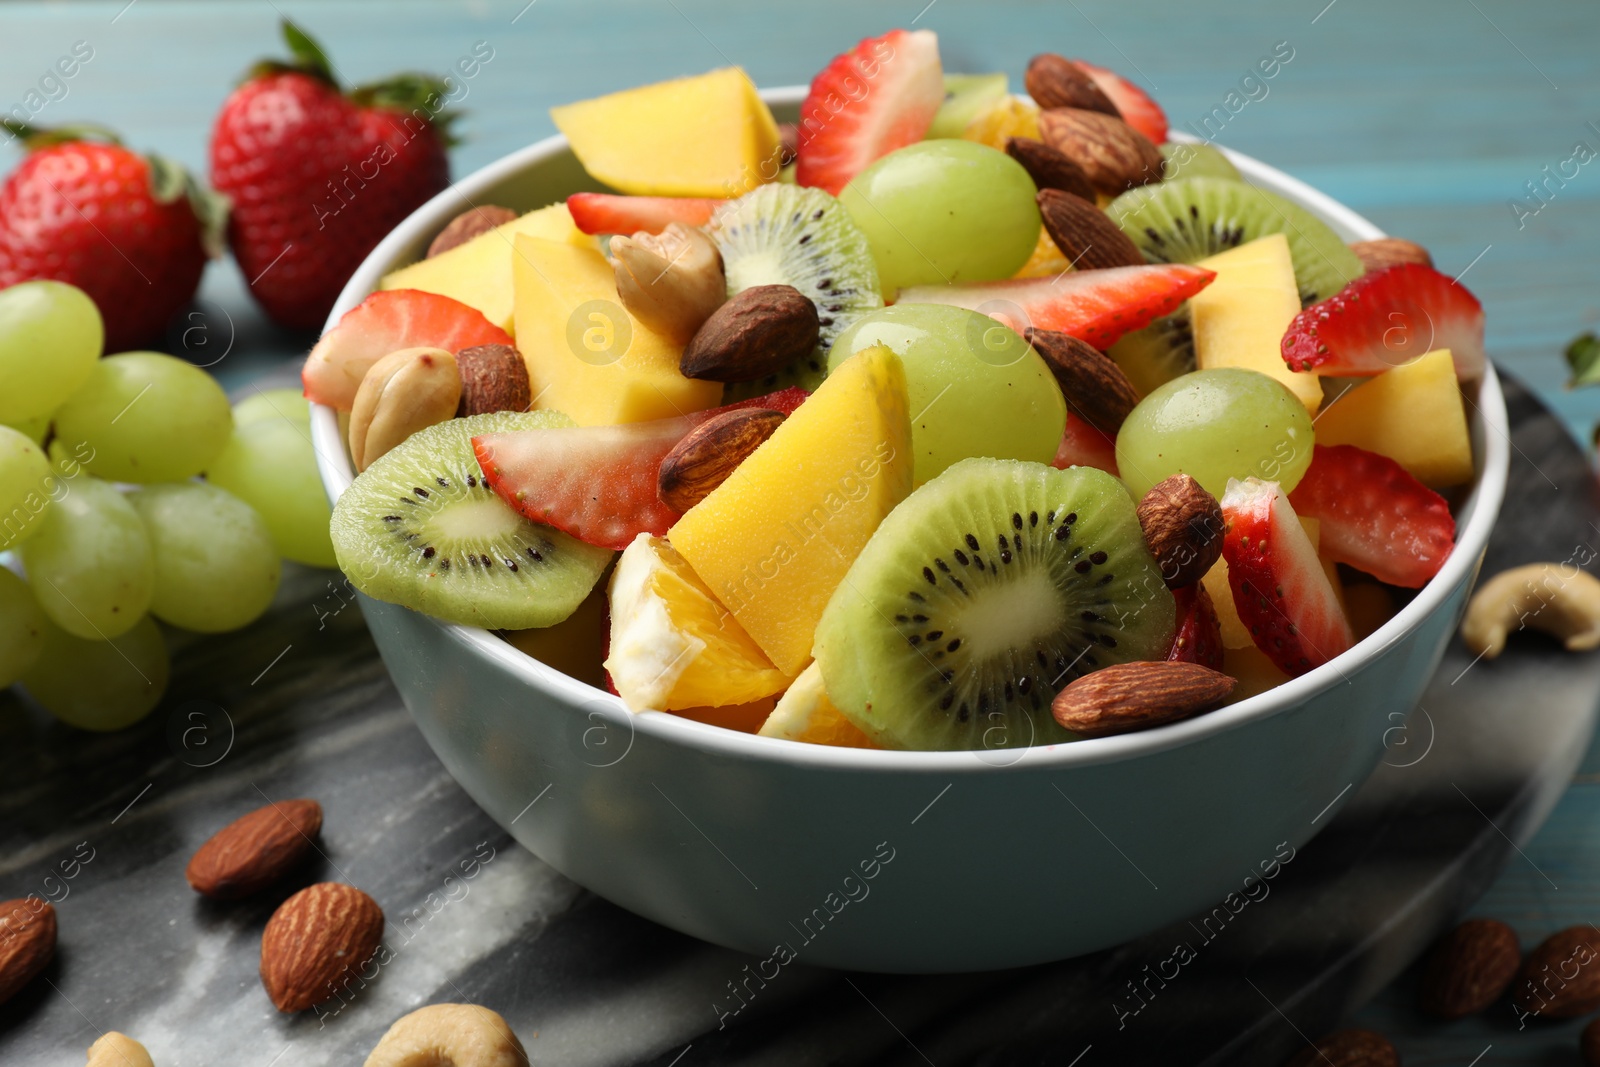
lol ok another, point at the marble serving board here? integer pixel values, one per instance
(299, 705)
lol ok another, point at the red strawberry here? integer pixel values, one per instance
(132, 231)
(1282, 593)
(1084, 446)
(879, 96)
(388, 320)
(1386, 318)
(1375, 516)
(608, 213)
(1097, 306)
(318, 177)
(1199, 635)
(1138, 110)
(597, 483)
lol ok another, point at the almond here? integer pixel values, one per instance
(1348, 1048)
(710, 452)
(313, 939)
(1183, 528)
(1469, 968)
(493, 378)
(758, 331)
(1096, 388)
(255, 850)
(1561, 978)
(1137, 696)
(1085, 234)
(27, 942)
(1056, 81)
(1115, 156)
(469, 224)
(1049, 168)
(1390, 252)
(402, 393)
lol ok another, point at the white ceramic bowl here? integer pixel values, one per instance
(901, 861)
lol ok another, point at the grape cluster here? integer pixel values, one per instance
(103, 505)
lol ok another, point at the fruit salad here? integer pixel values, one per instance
(944, 418)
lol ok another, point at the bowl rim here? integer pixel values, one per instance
(1472, 537)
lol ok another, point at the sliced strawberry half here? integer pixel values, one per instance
(1138, 110)
(1283, 595)
(879, 96)
(1084, 446)
(1097, 306)
(1375, 516)
(609, 213)
(386, 322)
(1199, 635)
(597, 483)
(1386, 318)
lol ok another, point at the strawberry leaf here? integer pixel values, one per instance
(308, 54)
(1583, 356)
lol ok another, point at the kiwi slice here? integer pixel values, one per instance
(784, 234)
(1188, 219)
(420, 528)
(966, 96)
(984, 593)
(1185, 160)
(1160, 352)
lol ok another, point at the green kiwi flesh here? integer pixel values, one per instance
(782, 234)
(984, 593)
(1188, 219)
(1155, 355)
(1184, 160)
(966, 96)
(420, 528)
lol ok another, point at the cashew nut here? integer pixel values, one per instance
(118, 1050)
(405, 391)
(671, 281)
(449, 1035)
(1553, 598)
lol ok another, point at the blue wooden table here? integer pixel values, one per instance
(1452, 122)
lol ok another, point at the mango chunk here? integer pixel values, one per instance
(478, 273)
(774, 540)
(1239, 319)
(586, 355)
(1413, 414)
(707, 135)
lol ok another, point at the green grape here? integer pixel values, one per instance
(942, 212)
(146, 417)
(33, 428)
(215, 564)
(22, 626)
(25, 485)
(270, 465)
(1214, 425)
(262, 405)
(100, 685)
(976, 388)
(90, 563)
(50, 338)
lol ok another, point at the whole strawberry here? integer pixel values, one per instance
(317, 177)
(130, 230)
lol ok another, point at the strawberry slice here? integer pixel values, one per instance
(1375, 516)
(1282, 593)
(1199, 635)
(879, 96)
(1097, 306)
(1084, 446)
(1386, 318)
(1138, 110)
(597, 483)
(609, 213)
(385, 322)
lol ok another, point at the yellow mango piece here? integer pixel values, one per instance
(1239, 319)
(745, 718)
(586, 355)
(672, 645)
(774, 540)
(804, 713)
(1047, 260)
(1006, 118)
(1252, 670)
(707, 135)
(1413, 414)
(576, 645)
(478, 273)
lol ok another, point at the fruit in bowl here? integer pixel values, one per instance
(848, 519)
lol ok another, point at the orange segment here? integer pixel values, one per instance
(1007, 118)
(805, 713)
